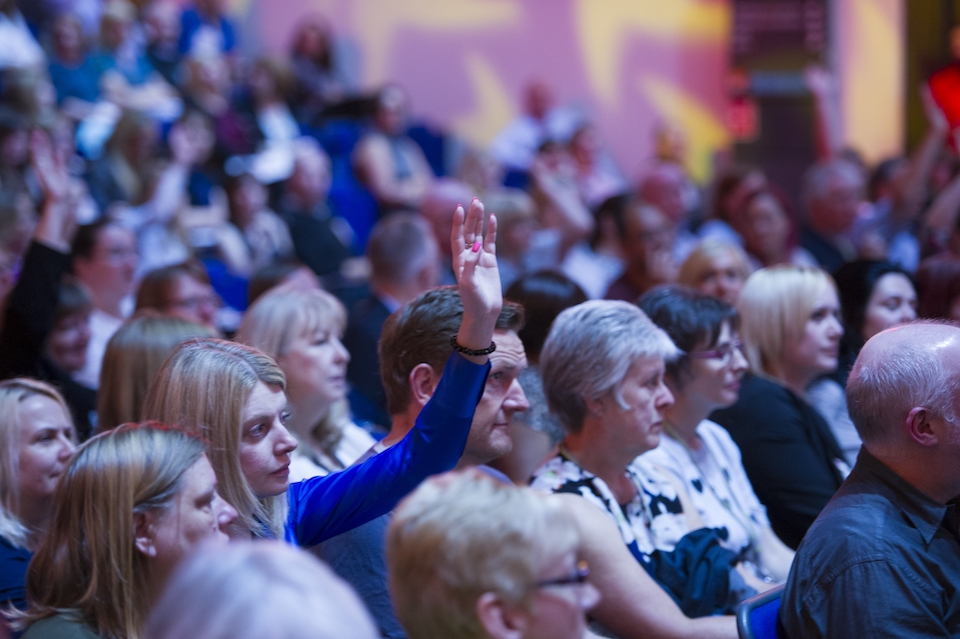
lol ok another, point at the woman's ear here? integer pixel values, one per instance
(144, 533)
(500, 619)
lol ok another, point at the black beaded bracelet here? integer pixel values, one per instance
(470, 351)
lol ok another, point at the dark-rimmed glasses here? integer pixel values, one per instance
(577, 577)
(723, 353)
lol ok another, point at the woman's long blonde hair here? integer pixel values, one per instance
(88, 566)
(280, 317)
(13, 392)
(774, 306)
(203, 387)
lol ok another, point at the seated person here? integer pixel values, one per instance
(647, 241)
(182, 291)
(883, 558)
(471, 557)
(251, 590)
(389, 162)
(696, 454)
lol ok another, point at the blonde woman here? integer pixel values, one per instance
(791, 333)
(234, 395)
(37, 439)
(133, 356)
(132, 503)
(302, 331)
(717, 268)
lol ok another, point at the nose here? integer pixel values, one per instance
(515, 399)
(589, 596)
(286, 443)
(738, 361)
(664, 397)
(909, 313)
(342, 354)
(67, 448)
(226, 514)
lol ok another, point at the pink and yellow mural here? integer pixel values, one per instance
(630, 63)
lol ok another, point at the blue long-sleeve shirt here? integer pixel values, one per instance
(322, 507)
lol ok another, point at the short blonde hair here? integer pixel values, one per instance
(203, 387)
(13, 392)
(774, 306)
(701, 258)
(461, 535)
(251, 590)
(280, 317)
(88, 565)
(133, 356)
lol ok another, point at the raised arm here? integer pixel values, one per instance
(478, 278)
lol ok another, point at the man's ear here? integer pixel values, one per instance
(500, 619)
(423, 381)
(920, 428)
(144, 533)
(594, 405)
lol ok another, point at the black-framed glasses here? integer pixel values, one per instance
(723, 353)
(577, 577)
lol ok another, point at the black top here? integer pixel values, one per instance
(828, 255)
(314, 241)
(28, 321)
(13, 574)
(880, 561)
(788, 452)
(368, 400)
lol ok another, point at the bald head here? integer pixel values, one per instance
(910, 366)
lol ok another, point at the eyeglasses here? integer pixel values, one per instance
(723, 353)
(576, 578)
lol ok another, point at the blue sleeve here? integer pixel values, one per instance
(322, 507)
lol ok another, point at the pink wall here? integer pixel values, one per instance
(631, 63)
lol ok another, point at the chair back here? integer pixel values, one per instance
(757, 616)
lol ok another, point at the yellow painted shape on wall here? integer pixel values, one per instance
(377, 21)
(493, 108)
(704, 130)
(872, 54)
(604, 26)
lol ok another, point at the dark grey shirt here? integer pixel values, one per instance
(880, 561)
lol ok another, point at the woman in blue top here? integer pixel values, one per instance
(233, 395)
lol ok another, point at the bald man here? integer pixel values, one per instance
(883, 558)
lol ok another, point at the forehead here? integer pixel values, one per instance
(891, 283)
(510, 352)
(113, 235)
(40, 411)
(264, 400)
(643, 367)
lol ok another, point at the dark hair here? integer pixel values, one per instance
(938, 285)
(85, 241)
(614, 207)
(397, 247)
(155, 288)
(543, 295)
(420, 332)
(855, 283)
(73, 299)
(692, 319)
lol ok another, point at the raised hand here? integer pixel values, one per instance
(49, 166)
(478, 278)
(58, 221)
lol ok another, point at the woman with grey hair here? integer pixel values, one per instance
(603, 374)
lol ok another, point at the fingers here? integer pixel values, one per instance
(457, 242)
(490, 240)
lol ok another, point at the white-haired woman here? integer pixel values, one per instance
(791, 332)
(37, 440)
(603, 374)
(302, 332)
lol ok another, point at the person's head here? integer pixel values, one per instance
(538, 99)
(161, 22)
(131, 360)
(438, 205)
(790, 323)
(247, 197)
(66, 345)
(764, 225)
(302, 332)
(313, 41)
(391, 113)
(475, 558)
(182, 291)
(68, 41)
(270, 79)
(415, 345)
(248, 590)
(646, 230)
(232, 395)
(310, 181)
(403, 255)
(131, 504)
(37, 439)
(105, 260)
(833, 192)
(288, 275)
(707, 331)
(516, 220)
(135, 139)
(662, 187)
(717, 268)
(874, 296)
(542, 295)
(591, 353)
(902, 395)
(115, 23)
(938, 288)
